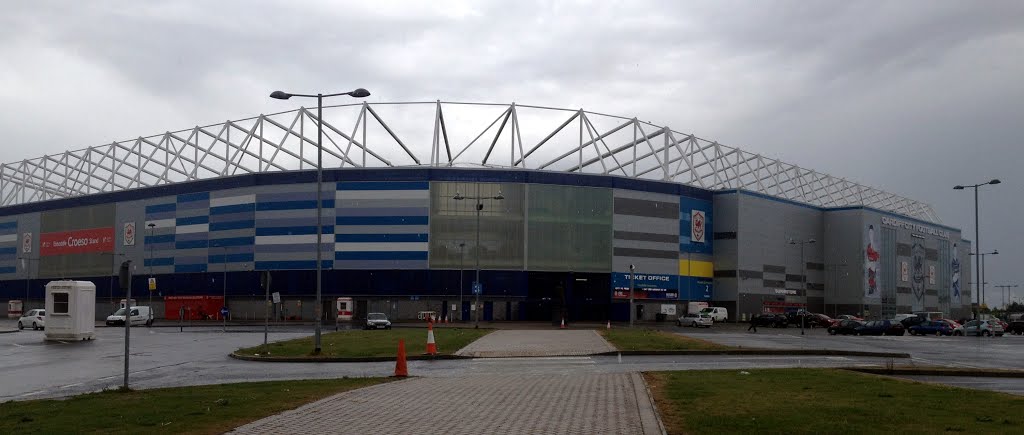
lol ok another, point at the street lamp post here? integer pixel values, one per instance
(803, 277)
(477, 287)
(224, 284)
(977, 236)
(632, 282)
(358, 93)
(151, 226)
(25, 267)
(982, 286)
(462, 268)
(1006, 297)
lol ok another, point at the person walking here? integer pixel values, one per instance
(753, 324)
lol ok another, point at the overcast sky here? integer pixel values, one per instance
(909, 96)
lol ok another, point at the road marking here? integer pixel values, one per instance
(33, 393)
(71, 385)
(17, 345)
(572, 359)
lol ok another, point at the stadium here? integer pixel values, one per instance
(556, 213)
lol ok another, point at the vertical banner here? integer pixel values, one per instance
(917, 274)
(954, 267)
(871, 262)
(26, 243)
(697, 226)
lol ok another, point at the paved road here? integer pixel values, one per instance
(163, 357)
(586, 403)
(971, 352)
(513, 343)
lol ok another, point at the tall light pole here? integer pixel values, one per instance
(1006, 298)
(632, 282)
(477, 287)
(982, 286)
(977, 236)
(25, 267)
(803, 277)
(151, 226)
(358, 93)
(462, 268)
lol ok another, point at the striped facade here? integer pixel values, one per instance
(382, 225)
(8, 248)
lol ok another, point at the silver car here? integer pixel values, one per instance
(377, 321)
(985, 328)
(696, 320)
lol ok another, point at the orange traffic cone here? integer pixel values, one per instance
(400, 369)
(609, 325)
(447, 319)
(431, 346)
(563, 323)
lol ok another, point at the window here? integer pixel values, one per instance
(60, 303)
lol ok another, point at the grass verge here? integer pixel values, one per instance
(207, 409)
(372, 343)
(795, 401)
(652, 339)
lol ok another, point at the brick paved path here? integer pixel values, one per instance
(510, 343)
(506, 404)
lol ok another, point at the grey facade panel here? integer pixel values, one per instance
(767, 268)
(646, 237)
(645, 208)
(646, 253)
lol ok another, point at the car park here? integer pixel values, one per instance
(770, 319)
(880, 327)
(35, 318)
(912, 321)
(987, 328)
(377, 321)
(849, 317)
(809, 320)
(845, 327)
(1016, 327)
(695, 320)
(931, 327)
(139, 316)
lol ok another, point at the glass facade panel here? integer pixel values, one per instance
(569, 228)
(453, 222)
(889, 272)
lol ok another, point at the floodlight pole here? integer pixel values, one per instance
(803, 278)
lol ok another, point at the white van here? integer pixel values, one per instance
(718, 314)
(139, 316)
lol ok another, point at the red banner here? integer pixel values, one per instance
(76, 242)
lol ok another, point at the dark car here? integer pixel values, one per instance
(880, 327)
(845, 327)
(810, 320)
(773, 320)
(931, 327)
(1016, 327)
(912, 321)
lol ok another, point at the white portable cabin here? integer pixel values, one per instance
(70, 310)
(345, 309)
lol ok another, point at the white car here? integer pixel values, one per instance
(696, 320)
(36, 318)
(140, 316)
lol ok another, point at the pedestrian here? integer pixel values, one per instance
(753, 324)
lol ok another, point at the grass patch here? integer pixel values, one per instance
(653, 339)
(372, 343)
(207, 409)
(796, 401)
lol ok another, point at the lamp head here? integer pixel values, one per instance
(994, 252)
(812, 241)
(994, 181)
(500, 196)
(280, 95)
(958, 187)
(359, 93)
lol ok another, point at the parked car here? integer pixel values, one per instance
(845, 327)
(957, 328)
(36, 318)
(1016, 327)
(986, 328)
(377, 321)
(912, 321)
(931, 327)
(849, 317)
(770, 319)
(139, 316)
(695, 320)
(718, 314)
(880, 327)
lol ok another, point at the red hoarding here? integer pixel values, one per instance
(76, 242)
